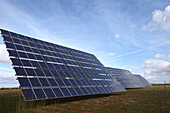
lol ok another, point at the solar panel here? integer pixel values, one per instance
(125, 77)
(46, 70)
(142, 79)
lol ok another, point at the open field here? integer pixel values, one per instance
(153, 99)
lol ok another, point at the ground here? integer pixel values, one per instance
(153, 99)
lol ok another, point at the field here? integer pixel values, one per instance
(153, 99)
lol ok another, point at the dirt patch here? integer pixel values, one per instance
(63, 109)
(9, 91)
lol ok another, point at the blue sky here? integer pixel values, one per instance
(132, 34)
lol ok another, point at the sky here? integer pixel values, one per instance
(127, 34)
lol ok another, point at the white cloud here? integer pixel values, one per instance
(111, 54)
(155, 67)
(160, 20)
(8, 79)
(4, 57)
(117, 36)
(163, 56)
(149, 77)
(169, 56)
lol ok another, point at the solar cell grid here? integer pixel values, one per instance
(52, 71)
(125, 77)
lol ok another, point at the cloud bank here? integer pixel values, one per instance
(160, 20)
(156, 67)
(4, 57)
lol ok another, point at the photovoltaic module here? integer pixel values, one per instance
(46, 70)
(125, 77)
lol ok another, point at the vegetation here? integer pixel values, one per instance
(153, 99)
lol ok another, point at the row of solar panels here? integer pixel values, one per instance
(48, 54)
(36, 41)
(49, 93)
(61, 82)
(24, 43)
(55, 73)
(46, 70)
(127, 79)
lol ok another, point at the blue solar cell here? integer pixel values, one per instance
(22, 55)
(79, 91)
(19, 71)
(44, 82)
(9, 45)
(52, 59)
(31, 56)
(34, 82)
(79, 83)
(67, 74)
(84, 90)
(38, 45)
(65, 92)
(35, 64)
(4, 32)
(39, 93)
(47, 73)
(99, 90)
(7, 38)
(50, 66)
(58, 92)
(13, 53)
(43, 65)
(48, 53)
(32, 44)
(26, 63)
(39, 72)
(16, 41)
(24, 42)
(72, 91)
(49, 93)
(38, 57)
(55, 73)
(73, 82)
(35, 50)
(45, 47)
(24, 82)
(83, 82)
(60, 82)
(61, 73)
(27, 49)
(13, 34)
(42, 52)
(52, 82)
(94, 90)
(89, 90)
(46, 58)
(16, 61)
(30, 72)
(28, 94)
(67, 82)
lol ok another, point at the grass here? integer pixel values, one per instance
(154, 99)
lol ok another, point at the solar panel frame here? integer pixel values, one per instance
(54, 71)
(125, 77)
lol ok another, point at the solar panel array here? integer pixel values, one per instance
(46, 70)
(125, 77)
(142, 79)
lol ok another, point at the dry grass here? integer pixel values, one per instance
(154, 99)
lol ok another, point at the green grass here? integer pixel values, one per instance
(154, 99)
